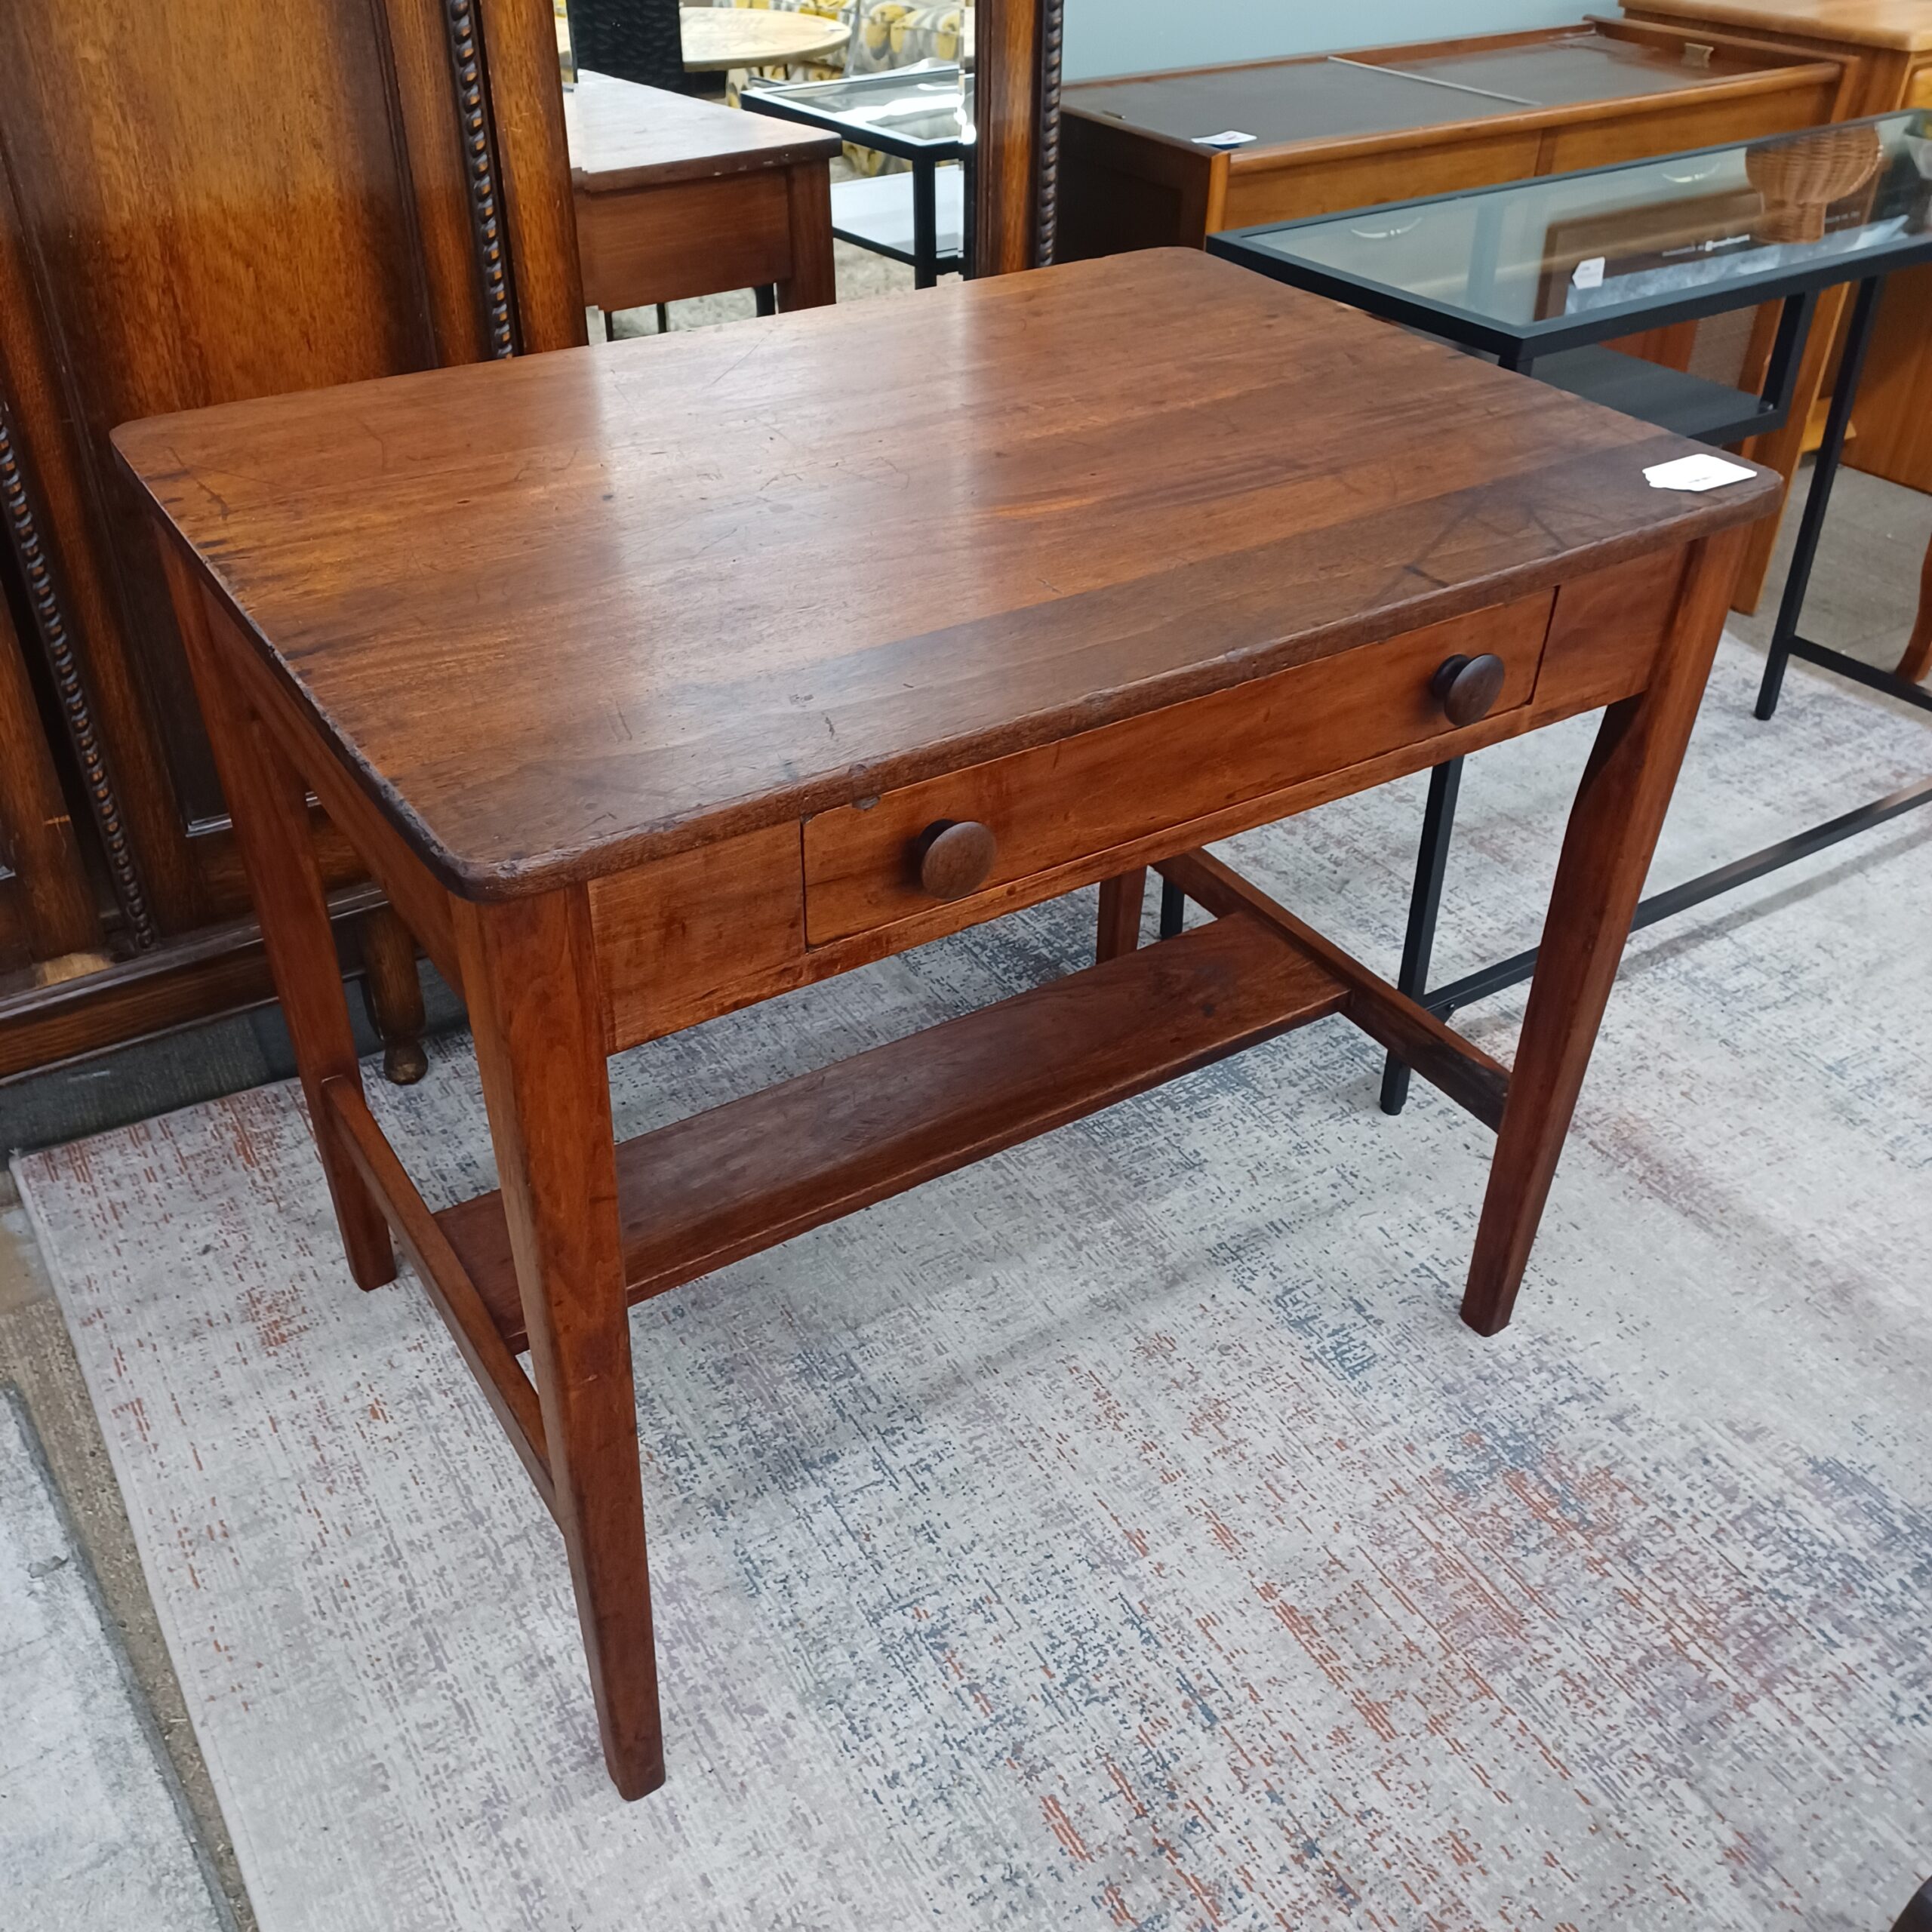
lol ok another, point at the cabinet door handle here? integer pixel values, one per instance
(953, 857)
(1467, 687)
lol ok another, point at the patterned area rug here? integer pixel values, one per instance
(1126, 1534)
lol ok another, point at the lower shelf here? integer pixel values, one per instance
(875, 211)
(742, 1177)
(1689, 405)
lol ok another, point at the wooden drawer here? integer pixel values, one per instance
(1673, 129)
(683, 239)
(1084, 796)
(1299, 184)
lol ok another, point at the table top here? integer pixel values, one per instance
(927, 107)
(1563, 257)
(1906, 24)
(563, 614)
(1334, 98)
(718, 37)
(622, 134)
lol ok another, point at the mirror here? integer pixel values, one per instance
(887, 84)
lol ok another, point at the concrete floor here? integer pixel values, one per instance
(1863, 597)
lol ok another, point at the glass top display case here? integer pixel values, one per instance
(1542, 273)
(1569, 258)
(907, 111)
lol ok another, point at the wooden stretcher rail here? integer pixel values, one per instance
(1441, 1055)
(508, 1390)
(744, 1176)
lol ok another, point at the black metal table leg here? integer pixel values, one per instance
(925, 223)
(1173, 908)
(765, 296)
(1438, 824)
(1818, 497)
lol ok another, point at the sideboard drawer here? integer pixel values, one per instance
(1086, 794)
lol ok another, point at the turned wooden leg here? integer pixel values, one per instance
(269, 803)
(808, 193)
(1121, 901)
(1917, 658)
(530, 973)
(393, 993)
(1613, 831)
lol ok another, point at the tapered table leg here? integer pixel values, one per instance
(808, 194)
(530, 974)
(1122, 898)
(1917, 658)
(1613, 832)
(268, 805)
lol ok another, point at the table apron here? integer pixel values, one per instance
(685, 939)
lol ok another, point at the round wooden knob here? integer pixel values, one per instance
(1467, 687)
(953, 857)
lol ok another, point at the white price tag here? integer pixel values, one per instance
(1696, 472)
(1588, 274)
(1232, 138)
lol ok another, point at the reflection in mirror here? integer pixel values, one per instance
(886, 85)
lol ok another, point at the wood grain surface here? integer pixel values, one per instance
(622, 134)
(566, 614)
(1906, 24)
(717, 39)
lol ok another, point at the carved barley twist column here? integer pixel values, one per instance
(480, 158)
(1046, 213)
(57, 644)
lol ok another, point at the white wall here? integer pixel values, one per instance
(1133, 36)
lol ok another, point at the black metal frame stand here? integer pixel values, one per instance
(1438, 818)
(924, 158)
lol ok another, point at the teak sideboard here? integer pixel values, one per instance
(1332, 132)
(1299, 554)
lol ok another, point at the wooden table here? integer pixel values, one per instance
(677, 198)
(718, 39)
(626, 756)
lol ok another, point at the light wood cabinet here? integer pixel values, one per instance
(202, 202)
(1886, 48)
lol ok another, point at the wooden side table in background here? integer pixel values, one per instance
(717, 39)
(677, 198)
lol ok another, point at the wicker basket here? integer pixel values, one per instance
(1800, 179)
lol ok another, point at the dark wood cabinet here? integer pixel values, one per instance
(202, 203)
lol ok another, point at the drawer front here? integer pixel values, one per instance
(1605, 635)
(1303, 184)
(1603, 142)
(1061, 803)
